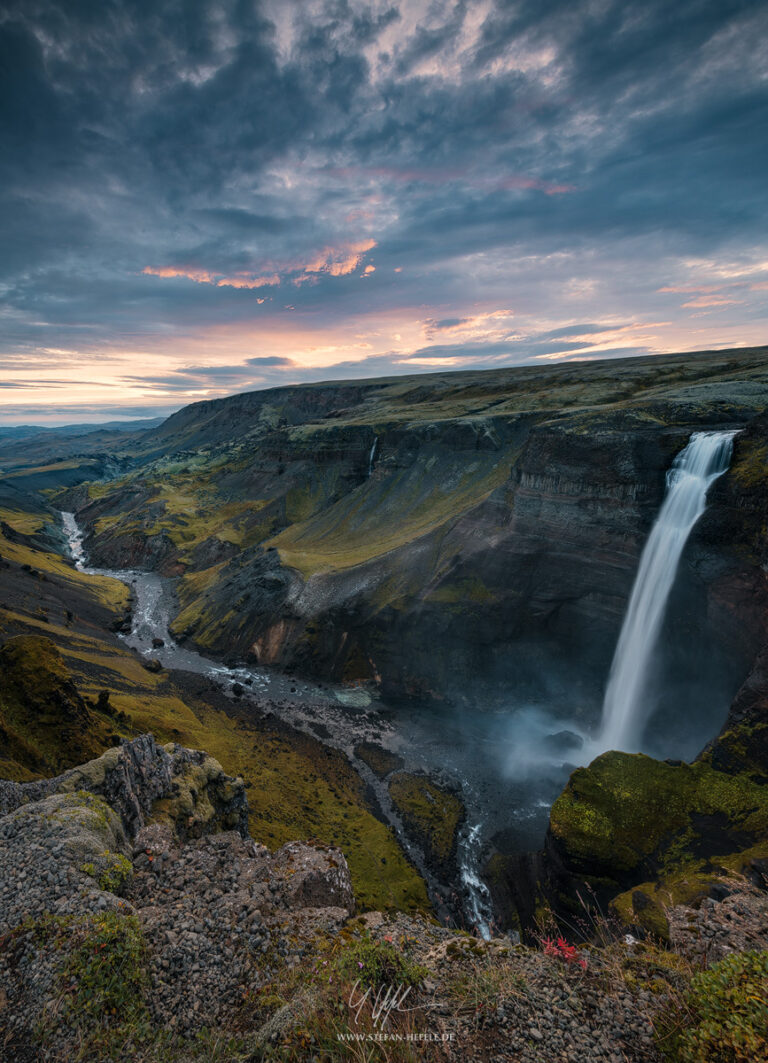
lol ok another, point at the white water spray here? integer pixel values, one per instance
(694, 470)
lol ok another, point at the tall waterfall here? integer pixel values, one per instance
(372, 455)
(694, 470)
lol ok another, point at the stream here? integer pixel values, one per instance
(341, 718)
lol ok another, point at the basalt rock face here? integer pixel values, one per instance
(139, 779)
(465, 536)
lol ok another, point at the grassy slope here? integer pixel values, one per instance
(296, 787)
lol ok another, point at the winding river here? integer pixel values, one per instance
(339, 717)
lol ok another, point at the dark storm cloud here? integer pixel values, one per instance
(245, 141)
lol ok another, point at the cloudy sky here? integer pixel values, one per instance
(209, 196)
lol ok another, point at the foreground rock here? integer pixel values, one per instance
(139, 921)
(143, 853)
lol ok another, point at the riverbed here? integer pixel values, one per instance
(491, 758)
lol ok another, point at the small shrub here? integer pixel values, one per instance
(105, 972)
(722, 1017)
(560, 949)
(377, 963)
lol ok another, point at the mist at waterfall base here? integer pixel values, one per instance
(669, 686)
(509, 755)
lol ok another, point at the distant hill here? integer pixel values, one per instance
(24, 431)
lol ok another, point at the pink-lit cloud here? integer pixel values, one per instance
(691, 289)
(244, 280)
(711, 300)
(341, 260)
(200, 276)
(334, 261)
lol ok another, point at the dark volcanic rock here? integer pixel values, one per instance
(133, 777)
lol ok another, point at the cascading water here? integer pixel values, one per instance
(694, 470)
(372, 455)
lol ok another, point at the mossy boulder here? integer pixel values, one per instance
(628, 822)
(45, 725)
(382, 762)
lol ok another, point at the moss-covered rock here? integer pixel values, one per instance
(431, 816)
(145, 782)
(627, 815)
(382, 762)
(646, 834)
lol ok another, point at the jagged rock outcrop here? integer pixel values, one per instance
(140, 778)
(136, 852)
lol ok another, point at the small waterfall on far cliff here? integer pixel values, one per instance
(694, 470)
(372, 455)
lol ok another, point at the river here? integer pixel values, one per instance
(343, 718)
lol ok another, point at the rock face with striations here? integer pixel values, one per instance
(145, 852)
(456, 539)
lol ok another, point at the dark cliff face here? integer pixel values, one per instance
(522, 590)
(465, 537)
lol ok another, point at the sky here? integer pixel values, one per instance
(199, 198)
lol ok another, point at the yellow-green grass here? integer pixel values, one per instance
(297, 789)
(111, 593)
(54, 466)
(23, 522)
(355, 531)
(192, 513)
(45, 726)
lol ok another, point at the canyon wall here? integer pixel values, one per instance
(453, 539)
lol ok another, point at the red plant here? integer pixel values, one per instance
(563, 951)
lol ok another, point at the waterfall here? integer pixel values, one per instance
(372, 455)
(694, 470)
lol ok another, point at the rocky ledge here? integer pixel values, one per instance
(139, 921)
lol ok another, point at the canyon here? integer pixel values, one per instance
(451, 554)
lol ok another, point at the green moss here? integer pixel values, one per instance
(625, 812)
(381, 761)
(430, 814)
(750, 468)
(462, 592)
(642, 907)
(722, 1017)
(113, 873)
